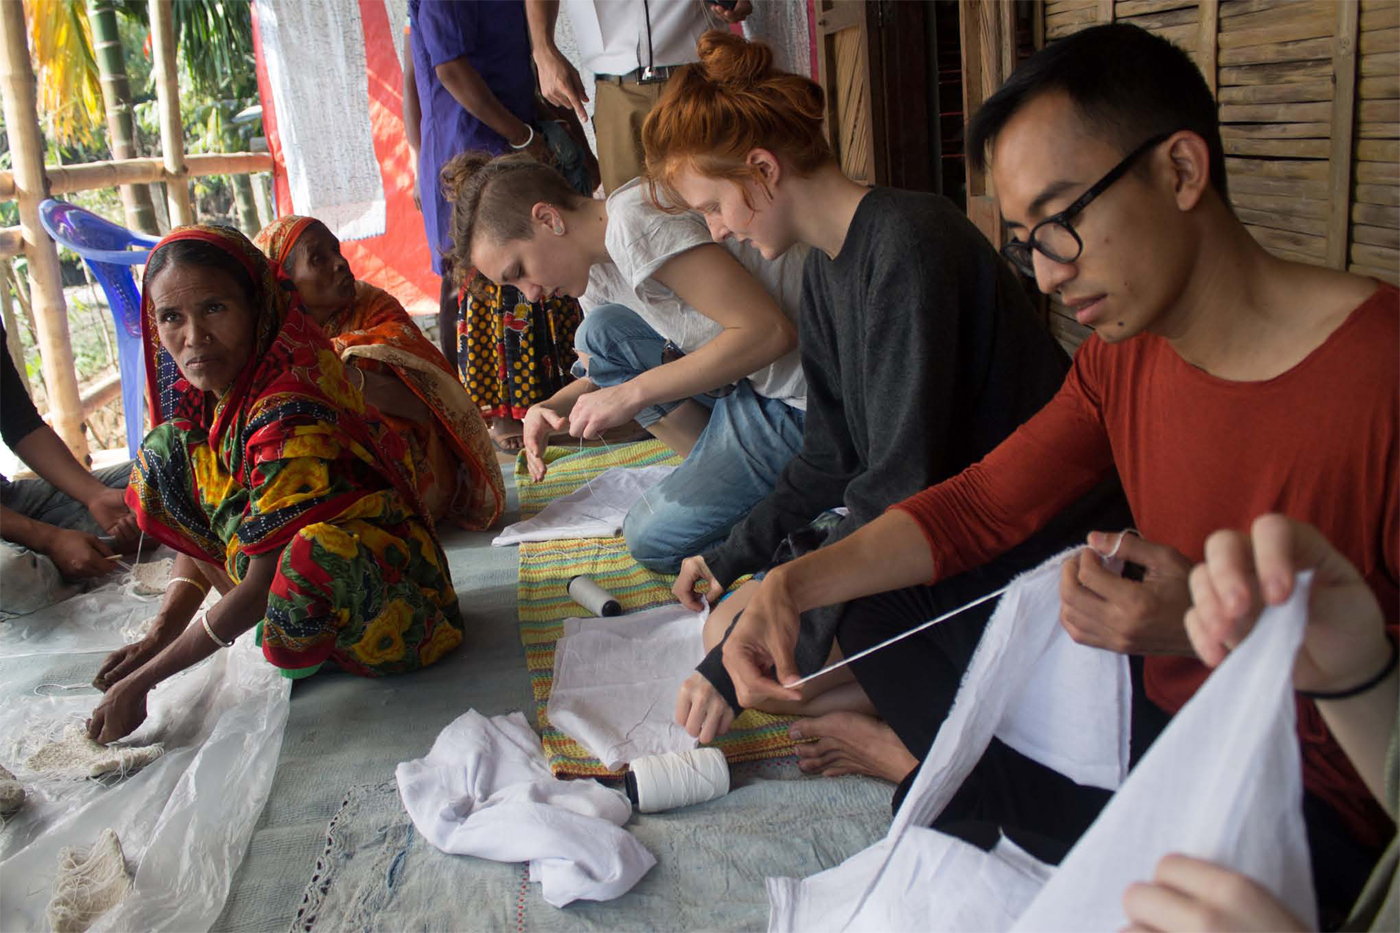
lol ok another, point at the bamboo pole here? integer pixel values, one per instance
(172, 131)
(87, 176)
(11, 241)
(116, 96)
(46, 287)
(13, 345)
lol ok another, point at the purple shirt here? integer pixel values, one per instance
(492, 36)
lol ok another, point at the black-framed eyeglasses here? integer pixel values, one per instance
(1055, 237)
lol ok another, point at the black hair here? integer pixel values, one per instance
(1124, 81)
(199, 253)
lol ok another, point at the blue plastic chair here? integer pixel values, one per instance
(110, 251)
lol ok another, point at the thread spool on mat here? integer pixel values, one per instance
(593, 597)
(679, 779)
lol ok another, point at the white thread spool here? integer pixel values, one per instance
(593, 597)
(679, 779)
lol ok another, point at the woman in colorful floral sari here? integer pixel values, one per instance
(267, 477)
(402, 374)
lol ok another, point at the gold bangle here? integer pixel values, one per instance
(204, 590)
(361, 387)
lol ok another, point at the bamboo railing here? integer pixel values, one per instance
(31, 181)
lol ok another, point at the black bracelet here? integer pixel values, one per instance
(1360, 688)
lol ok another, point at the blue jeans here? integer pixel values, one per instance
(29, 581)
(734, 464)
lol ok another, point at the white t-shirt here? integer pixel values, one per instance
(612, 34)
(641, 238)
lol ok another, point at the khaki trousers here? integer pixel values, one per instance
(618, 112)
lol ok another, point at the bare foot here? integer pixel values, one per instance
(850, 743)
(507, 434)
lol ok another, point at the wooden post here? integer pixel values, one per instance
(45, 283)
(1208, 42)
(1106, 11)
(986, 48)
(172, 131)
(1343, 113)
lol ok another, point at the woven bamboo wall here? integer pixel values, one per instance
(1309, 94)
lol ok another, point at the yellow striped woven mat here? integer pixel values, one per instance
(547, 566)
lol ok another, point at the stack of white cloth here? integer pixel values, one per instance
(1222, 782)
(485, 789)
(615, 682)
(596, 509)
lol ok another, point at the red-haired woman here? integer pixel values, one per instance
(921, 353)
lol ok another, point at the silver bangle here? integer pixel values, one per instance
(204, 620)
(528, 139)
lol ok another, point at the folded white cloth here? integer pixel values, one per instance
(1222, 782)
(485, 789)
(594, 510)
(615, 682)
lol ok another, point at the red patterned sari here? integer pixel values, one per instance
(287, 462)
(454, 465)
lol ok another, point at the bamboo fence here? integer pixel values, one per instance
(31, 181)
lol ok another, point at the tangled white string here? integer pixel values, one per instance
(90, 882)
(680, 779)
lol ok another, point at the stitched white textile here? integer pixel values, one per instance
(485, 789)
(615, 682)
(323, 113)
(1222, 782)
(594, 510)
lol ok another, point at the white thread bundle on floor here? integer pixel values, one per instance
(149, 578)
(90, 882)
(76, 755)
(11, 794)
(680, 779)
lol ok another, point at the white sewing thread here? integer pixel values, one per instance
(589, 480)
(56, 690)
(90, 882)
(1109, 560)
(680, 779)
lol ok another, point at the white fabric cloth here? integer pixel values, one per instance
(485, 789)
(594, 510)
(321, 142)
(615, 682)
(612, 34)
(1223, 782)
(641, 238)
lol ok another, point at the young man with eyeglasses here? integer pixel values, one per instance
(1221, 383)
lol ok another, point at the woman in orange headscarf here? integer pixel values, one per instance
(404, 376)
